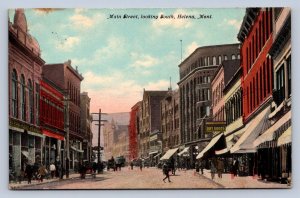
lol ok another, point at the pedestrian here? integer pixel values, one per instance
(220, 167)
(166, 170)
(131, 165)
(52, 170)
(235, 167)
(197, 167)
(141, 165)
(213, 169)
(42, 172)
(201, 164)
(29, 172)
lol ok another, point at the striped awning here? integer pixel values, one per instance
(285, 138)
(210, 145)
(269, 135)
(184, 151)
(169, 154)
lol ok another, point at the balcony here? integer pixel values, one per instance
(203, 86)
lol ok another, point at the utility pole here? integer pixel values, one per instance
(67, 129)
(100, 168)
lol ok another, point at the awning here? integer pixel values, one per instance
(153, 152)
(157, 155)
(53, 134)
(276, 110)
(269, 135)
(25, 153)
(184, 151)
(230, 141)
(168, 154)
(252, 130)
(285, 138)
(210, 145)
(78, 150)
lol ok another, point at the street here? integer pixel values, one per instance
(151, 178)
(148, 178)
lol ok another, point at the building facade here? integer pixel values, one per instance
(151, 118)
(25, 69)
(52, 123)
(64, 76)
(134, 129)
(274, 145)
(170, 120)
(196, 72)
(86, 121)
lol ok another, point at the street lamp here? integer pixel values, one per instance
(99, 130)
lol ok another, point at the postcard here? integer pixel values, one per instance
(186, 98)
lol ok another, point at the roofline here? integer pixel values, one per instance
(203, 47)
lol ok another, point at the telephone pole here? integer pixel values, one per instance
(100, 168)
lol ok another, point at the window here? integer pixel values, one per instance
(289, 74)
(14, 94)
(220, 60)
(238, 56)
(214, 61)
(208, 61)
(37, 99)
(280, 84)
(225, 57)
(23, 98)
(232, 57)
(30, 97)
(205, 61)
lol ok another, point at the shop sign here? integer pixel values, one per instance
(215, 126)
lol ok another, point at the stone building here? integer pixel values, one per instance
(86, 121)
(64, 76)
(151, 119)
(196, 72)
(25, 69)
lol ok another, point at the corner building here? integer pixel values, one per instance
(25, 69)
(196, 72)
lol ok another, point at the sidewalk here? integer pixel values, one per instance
(17, 185)
(242, 182)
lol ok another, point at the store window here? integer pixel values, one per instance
(14, 94)
(23, 98)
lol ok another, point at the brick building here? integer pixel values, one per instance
(196, 72)
(64, 76)
(86, 121)
(134, 129)
(25, 68)
(170, 120)
(51, 117)
(274, 146)
(151, 119)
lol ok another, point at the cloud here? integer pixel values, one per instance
(114, 47)
(68, 44)
(83, 22)
(191, 48)
(44, 11)
(143, 61)
(232, 22)
(172, 23)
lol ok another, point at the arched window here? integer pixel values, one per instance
(214, 61)
(238, 56)
(225, 57)
(205, 61)
(208, 61)
(23, 98)
(14, 96)
(232, 57)
(30, 97)
(220, 59)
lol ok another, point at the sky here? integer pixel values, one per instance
(119, 58)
